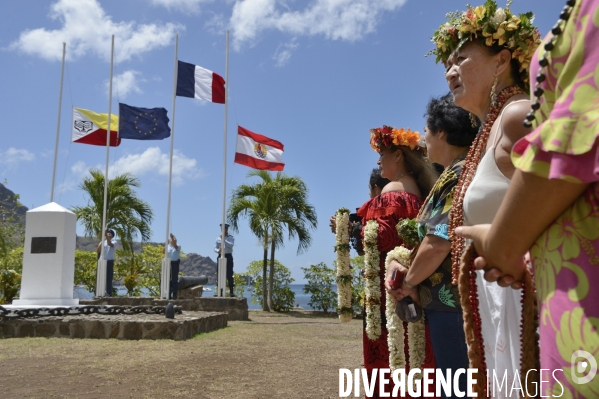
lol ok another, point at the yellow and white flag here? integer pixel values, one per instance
(90, 128)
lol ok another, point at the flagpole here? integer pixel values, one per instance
(166, 267)
(101, 282)
(222, 273)
(64, 50)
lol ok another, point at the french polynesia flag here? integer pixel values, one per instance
(257, 151)
(196, 82)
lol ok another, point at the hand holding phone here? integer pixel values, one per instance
(396, 279)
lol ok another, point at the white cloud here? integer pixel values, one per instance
(216, 25)
(79, 169)
(283, 53)
(346, 20)
(190, 6)
(14, 156)
(151, 161)
(125, 83)
(87, 29)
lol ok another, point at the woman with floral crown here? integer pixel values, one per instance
(486, 52)
(553, 204)
(402, 161)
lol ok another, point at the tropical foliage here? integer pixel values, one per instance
(148, 267)
(85, 269)
(283, 297)
(240, 283)
(10, 274)
(273, 206)
(357, 267)
(320, 286)
(11, 248)
(126, 214)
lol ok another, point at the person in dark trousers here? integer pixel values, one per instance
(172, 253)
(109, 246)
(227, 249)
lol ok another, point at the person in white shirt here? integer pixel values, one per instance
(109, 246)
(227, 249)
(172, 253)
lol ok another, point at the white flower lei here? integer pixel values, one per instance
(416, 331)
(372, 281)
(343, 272)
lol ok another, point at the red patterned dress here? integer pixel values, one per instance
(388, 209)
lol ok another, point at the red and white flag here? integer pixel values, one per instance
(258, 151)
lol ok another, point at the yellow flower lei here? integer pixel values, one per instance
(491, 25)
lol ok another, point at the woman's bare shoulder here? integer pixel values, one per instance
(393, 186)
(513, 116)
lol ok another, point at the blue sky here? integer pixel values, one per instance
(315, 75)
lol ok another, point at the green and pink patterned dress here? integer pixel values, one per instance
(566, 255)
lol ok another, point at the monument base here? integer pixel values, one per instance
(42, 303)
(134, 327)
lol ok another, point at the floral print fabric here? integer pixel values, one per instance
(437, 292)
(566, 255)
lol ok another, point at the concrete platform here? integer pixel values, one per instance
(236, 308)
(135, 327)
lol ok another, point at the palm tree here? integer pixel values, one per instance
(125, 212)
(274, 206)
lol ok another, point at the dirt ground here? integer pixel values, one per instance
(273, 355)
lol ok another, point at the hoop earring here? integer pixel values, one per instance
(473, 120)
(493, 95)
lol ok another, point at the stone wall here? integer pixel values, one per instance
(236, 308)
(139, 326)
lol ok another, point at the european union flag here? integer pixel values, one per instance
(143, 123)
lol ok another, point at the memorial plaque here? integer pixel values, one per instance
(43, 245)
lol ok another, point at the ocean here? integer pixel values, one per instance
(301, 299)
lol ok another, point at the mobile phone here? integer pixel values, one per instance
(396, 279)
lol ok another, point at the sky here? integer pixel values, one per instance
(313, 74)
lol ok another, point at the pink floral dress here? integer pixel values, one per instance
(566, 255)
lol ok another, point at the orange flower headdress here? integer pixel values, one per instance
(386, 136)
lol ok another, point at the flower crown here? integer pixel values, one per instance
(494, 26)
(386, 136)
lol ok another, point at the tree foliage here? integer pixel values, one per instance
(150, 261)
(86, 264)
(240, 283)
(273, 206)
(320, 286)
(357, 287)
(10, 275)
(128, 215)
(283, 296)
(146, 274)
(12, 234)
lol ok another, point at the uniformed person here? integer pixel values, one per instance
(227, 249)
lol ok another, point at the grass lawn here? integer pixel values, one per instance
(273, 355)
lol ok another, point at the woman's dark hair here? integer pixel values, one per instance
(377, 180)
(443, 114)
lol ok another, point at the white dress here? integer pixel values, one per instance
(500, 308)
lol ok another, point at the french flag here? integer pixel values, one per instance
(258, 151)
(196, 82)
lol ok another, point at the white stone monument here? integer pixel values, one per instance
(48, 258)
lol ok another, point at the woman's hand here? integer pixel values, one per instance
(478, 235)
(411, 292)
(397, 294)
